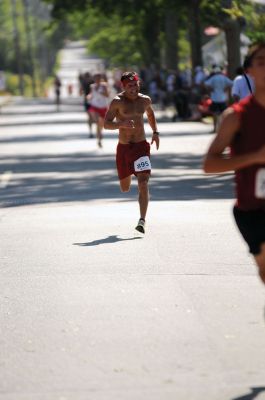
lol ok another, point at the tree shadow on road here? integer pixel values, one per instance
(251, 396)
(87, 176)
(109, 239)
(45, 137)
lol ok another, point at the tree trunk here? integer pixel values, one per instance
(195, 32)
(171, 36)
(232, 35)
(30, 47)
(17, 47)
(151, 33)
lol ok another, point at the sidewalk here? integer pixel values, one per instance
(4, 100)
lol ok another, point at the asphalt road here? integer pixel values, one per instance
(88, 309)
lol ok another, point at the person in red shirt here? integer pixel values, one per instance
(242, 129)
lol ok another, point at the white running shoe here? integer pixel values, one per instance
(141, 226)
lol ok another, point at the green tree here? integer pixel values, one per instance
(229, 16)
(154, 27)
(155, 23)
(255, 22)
(46, 37)
(115, 39)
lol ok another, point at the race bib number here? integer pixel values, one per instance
(260, 184)
(142, 164)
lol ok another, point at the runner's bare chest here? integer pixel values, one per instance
(132, 108)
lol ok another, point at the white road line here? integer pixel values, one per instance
(5, 179)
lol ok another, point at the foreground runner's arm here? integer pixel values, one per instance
(215, 161)
(111, 114)
(152, 122)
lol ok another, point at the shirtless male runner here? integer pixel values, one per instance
(242, 129)
(133, 151)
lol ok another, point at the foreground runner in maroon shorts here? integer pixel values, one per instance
(242, 129)
(133, 151)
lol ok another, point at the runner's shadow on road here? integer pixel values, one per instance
(251, 396)
(109, 239)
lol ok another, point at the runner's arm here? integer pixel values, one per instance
(105, 90)
(110, 116)
(215, 161)
(109, 122)
(152, 122)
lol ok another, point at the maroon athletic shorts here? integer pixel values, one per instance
(100, 111)
(133, 158)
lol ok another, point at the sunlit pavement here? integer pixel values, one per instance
(90, 310)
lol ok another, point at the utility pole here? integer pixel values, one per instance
(30, 47)
(17, 47)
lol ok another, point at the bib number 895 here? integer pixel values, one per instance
(142, 164)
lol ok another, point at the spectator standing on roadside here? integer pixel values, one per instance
(243, 84)
(86, 81)
(181, 98)
(219, 85)
(57, 88)
(170, 86)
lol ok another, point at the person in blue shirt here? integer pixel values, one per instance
(218, 85)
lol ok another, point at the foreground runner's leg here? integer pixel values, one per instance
(260, 261)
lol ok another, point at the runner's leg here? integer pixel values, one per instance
(260, 261)
(143, 189)
(100, 124)
(90, 122)
(94, 118)
(125, 184)
(58, 100)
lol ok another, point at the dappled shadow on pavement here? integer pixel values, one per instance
(109, 239)
(42, 138)
(62, 137)
(89, 176)
(72, 106)
(255, 391)
(38, 101)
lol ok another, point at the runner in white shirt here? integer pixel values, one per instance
(98, 99)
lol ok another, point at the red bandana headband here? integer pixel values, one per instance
(130, 79)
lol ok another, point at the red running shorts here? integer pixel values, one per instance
(133, 158)
(101, 112)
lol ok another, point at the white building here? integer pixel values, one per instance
(214, 52)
